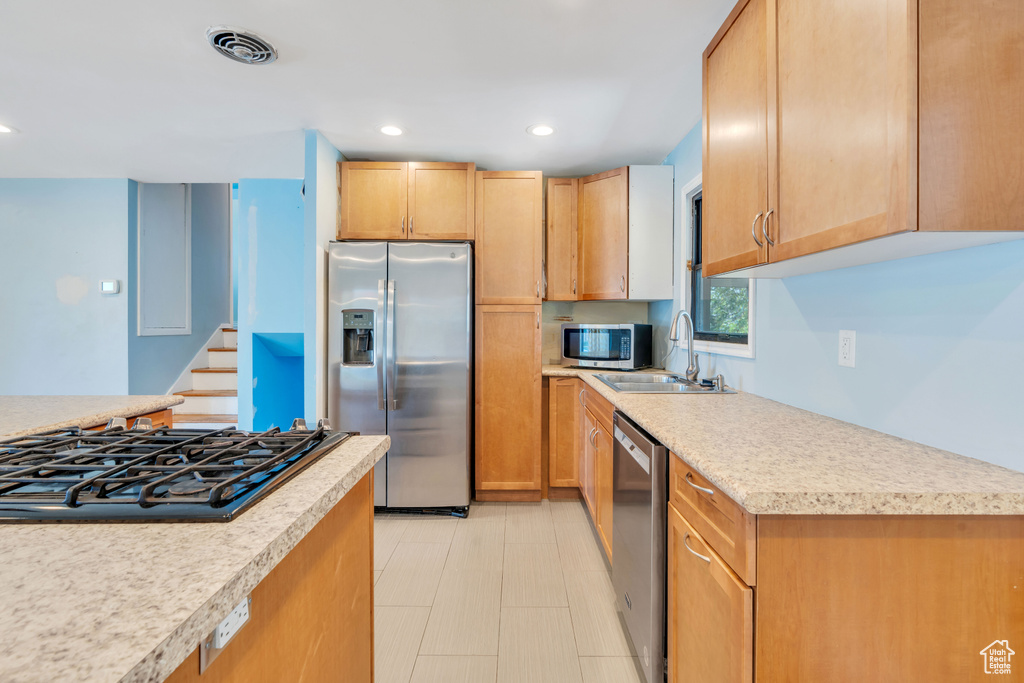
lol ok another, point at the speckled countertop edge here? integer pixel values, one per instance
(21, 415)
(71, 614)
(772, 458)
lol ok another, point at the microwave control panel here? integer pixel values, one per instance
(624, 340)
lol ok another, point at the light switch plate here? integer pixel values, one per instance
(110, 286)
(847, 348)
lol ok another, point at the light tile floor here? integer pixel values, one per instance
(515, 593)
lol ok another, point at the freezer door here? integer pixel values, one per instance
(356, 277)
(429, 395)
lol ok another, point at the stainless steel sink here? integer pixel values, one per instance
(657, 384)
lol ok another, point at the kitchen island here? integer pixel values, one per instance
(865, 557)
(20, 415)
(131, 602)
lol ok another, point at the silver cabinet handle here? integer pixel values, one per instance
(689, 480)
(581, 398)
(686, 542)
(392, 351)
(592, 433)
(622, 285)
(411, 219)
(574, 286)
(764, 227)
(403, 225)
(538, 321)
(378, 343)
(752, 231)
(538, 289)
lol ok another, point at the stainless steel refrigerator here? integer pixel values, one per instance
(399, 362)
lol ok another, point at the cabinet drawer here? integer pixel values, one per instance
(599, 406)
(722, 522)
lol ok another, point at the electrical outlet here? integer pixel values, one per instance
(847, 348)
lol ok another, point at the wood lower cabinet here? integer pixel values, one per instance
(565, 405)
(160, 418)
(838, 133)
(508, 400)
(383, 200)
(562, 239)
(603, 250)
(509, 237)
(604, 483)
(710, 613)
(311, 618)
(588, 462)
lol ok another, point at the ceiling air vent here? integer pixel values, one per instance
(241, 45)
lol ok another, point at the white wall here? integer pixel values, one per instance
(58, 239)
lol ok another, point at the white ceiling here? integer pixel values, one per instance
(123, 88)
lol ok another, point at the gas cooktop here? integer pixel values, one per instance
(151, 475)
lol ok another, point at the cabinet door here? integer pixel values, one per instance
(563, 431)
(509, 237)
(710, 612)
(605, 470)
(735, 174)
(588, 461)
(562, 239)
(603, 250)
(441, 201)
(508, 398)
(373, 200)
(842, 117)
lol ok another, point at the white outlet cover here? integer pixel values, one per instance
(847, 348)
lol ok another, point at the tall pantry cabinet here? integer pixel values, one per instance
(509, 245)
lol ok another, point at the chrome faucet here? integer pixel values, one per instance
(692, 366)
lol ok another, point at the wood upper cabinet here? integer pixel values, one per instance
(561, 262)
(565, 404)
(710, 612)
(398, 200)
(508, 398)
(373, 200)
(735, 173)
(830, 124)
(605, 472)
(441, 201)
(603, 251)
(509, 237)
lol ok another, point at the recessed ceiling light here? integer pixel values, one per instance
(391, 130)
(5, 129)
(540, 129)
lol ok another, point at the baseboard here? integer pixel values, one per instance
(507, 496)
(564, 493)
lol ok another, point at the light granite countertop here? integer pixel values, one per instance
(129, 602)
(772, 458)
(20, 415)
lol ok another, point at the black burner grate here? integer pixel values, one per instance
(149, 475)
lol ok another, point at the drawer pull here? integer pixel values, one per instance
(686, 542)
(689, 480)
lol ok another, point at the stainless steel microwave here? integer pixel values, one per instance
(618, 347)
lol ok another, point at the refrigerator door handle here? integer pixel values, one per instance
(392, 354)
(378, 343)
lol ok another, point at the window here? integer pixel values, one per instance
(722, 308)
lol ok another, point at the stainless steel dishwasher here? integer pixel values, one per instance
(640, 505)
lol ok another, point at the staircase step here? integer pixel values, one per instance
(218, 370)
(203, 417)
(229, 329)
(207, 392)
(224, 349)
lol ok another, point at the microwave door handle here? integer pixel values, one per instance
(378, 343)
(392, 351)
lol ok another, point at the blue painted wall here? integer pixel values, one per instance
(321, 220)
(939, 341)
(270, 278)
(154, 363)
(278, 393)
(59, 238)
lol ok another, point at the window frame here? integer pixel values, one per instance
(687, 194)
